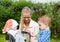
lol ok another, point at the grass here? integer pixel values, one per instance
(54, 40)
(2, 39)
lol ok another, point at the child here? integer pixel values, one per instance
(44, 22)
(11, 27)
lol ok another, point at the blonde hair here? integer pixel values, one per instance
(26, 9)
(45, 19)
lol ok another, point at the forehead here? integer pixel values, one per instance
(26, 15)
(41, 23)
(40, 19)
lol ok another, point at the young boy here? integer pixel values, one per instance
(44, 22)
(11, 27)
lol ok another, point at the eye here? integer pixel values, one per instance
(26, 17)
(39, 25)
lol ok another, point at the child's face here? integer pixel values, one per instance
(42, 25)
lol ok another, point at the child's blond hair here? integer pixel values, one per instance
(45, 19)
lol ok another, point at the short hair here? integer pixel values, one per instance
(45, 19)
(26, 9)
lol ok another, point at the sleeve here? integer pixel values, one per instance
(44, 36)
(36, 29)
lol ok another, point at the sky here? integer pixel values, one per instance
(44, 1)
(41, 1)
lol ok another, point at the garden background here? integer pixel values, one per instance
(10, 9)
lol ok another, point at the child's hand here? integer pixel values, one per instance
(33, 39)
(32, 34)
(27, 30)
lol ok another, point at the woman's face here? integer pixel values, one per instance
(26, 17)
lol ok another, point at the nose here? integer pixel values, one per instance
(26, 19)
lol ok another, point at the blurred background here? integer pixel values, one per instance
(12, 9)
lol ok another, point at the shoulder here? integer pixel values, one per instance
(34, 23)
(46, 31)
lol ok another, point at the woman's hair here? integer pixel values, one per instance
(45, 19)
(26, 9)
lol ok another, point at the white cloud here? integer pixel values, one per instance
(44, 1)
